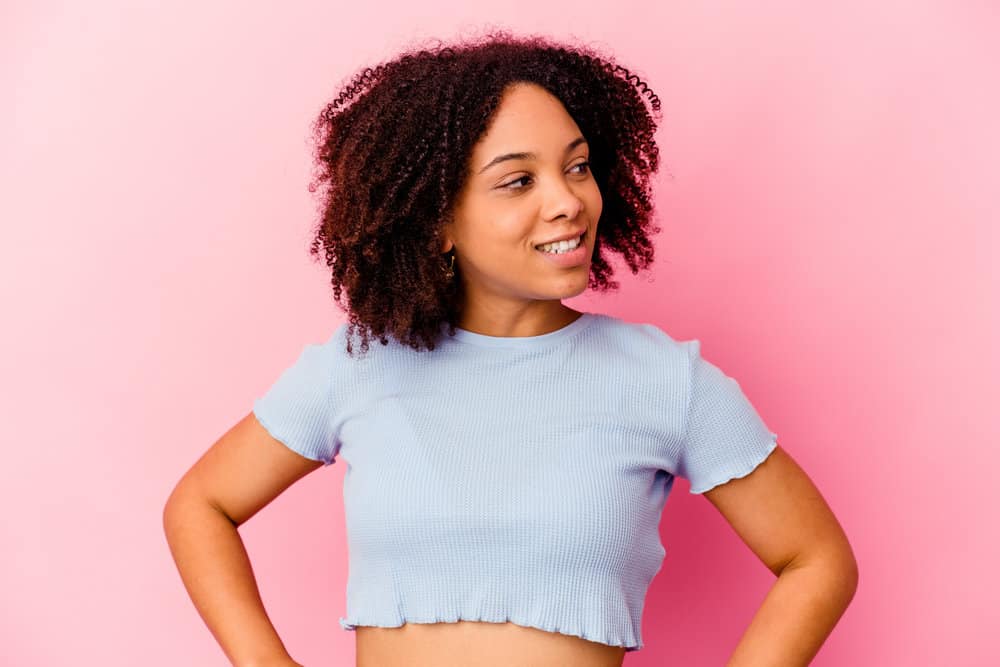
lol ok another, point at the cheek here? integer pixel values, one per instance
(499, 241)
(594, 200)
(511, 227)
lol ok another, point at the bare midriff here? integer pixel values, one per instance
(478, 644)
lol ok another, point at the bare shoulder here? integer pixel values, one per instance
(244, 470)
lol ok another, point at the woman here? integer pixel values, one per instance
(508, 456)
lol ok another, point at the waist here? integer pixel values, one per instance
(478, 644)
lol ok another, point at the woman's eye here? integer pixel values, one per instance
(508, 184)
(516, 180)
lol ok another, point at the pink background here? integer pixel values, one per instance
(829, 205)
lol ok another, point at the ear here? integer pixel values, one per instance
(446, 242)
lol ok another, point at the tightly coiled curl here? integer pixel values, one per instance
(392, 153)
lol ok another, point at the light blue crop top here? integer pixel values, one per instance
(515, 479)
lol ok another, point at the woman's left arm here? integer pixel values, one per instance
(779, 513)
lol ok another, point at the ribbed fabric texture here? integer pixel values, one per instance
(514, 479)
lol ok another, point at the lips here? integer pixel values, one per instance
(569, 259)
(564, 237)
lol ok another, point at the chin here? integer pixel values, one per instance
(573, 290)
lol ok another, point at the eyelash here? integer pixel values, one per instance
(506, 186)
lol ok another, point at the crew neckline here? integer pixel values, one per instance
(524, 342)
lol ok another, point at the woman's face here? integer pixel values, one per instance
(512, 203)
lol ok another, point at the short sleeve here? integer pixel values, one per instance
(725, 437)
(296, 410)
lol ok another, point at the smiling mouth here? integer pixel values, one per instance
(580, 242)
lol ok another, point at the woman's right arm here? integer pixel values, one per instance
(239, 475)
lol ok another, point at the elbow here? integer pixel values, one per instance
(845, 567)
(837, 566)
(843, 579)
(187, 504)
(178, 506)
(851, 577)
(172, 508)
(843, 574)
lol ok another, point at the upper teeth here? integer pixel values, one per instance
(560, 246)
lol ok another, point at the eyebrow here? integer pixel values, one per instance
(528, 156)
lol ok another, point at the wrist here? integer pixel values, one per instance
(273, 662)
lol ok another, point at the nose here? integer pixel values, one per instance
(563, 202)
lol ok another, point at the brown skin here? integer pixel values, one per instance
(501, 213)
(781, 516)
(512, 291)
(411, 125)
(237, 477)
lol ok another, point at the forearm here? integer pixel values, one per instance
(217, 574)
(798, 614)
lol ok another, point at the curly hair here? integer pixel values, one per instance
(392, 152)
